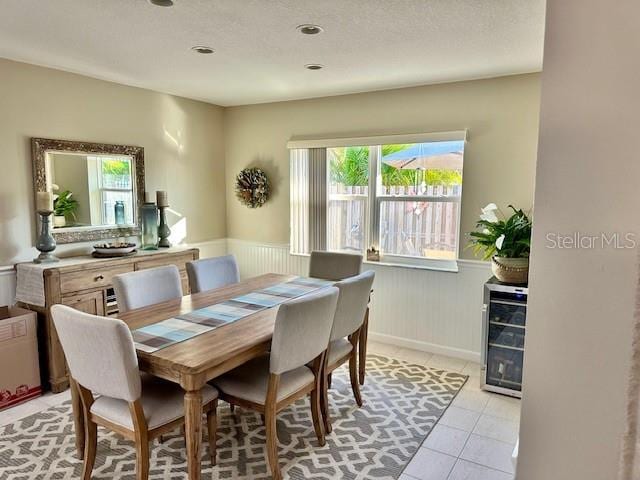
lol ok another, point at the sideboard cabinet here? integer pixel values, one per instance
(87, 285)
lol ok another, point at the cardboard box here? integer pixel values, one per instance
(19, 368)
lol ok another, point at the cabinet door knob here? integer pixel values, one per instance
(99, 277)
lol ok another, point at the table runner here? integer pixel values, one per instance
(154, 337)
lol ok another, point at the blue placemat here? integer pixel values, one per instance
(183, 327)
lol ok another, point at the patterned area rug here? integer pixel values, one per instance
(402, 403)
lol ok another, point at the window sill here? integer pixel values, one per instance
(450, 268)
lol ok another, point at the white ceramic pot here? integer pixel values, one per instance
(511, 270)
(59, 221)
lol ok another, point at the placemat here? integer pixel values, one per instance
(183, 327)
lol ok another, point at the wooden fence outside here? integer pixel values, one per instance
(428, 229)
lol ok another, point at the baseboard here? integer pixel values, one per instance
(425, 347)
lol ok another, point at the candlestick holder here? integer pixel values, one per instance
(163, 230)
(45, 242)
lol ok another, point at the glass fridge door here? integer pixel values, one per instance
(505, 347)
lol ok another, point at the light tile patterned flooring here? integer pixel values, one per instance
(473, 440)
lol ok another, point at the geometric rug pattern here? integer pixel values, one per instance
(402, 403)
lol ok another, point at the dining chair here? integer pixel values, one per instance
(270, 383)
(334, 265)
(338, 266)
(210, 273)
(102, 361)
(345, 333)
(147, 287)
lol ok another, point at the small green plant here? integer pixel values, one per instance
(501, 237)
(65, 205)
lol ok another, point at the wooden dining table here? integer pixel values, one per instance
(194, 362)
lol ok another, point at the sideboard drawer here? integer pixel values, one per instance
(179, 261)
(92, 278)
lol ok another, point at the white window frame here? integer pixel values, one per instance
(372, 217)
(300, 211)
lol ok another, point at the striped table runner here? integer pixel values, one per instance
(183, 327)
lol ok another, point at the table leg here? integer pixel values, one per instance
(193, 431)
(78, 417)
(362, 347)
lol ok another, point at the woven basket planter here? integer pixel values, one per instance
(510, 270)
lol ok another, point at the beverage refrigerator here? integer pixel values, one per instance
(504, 324)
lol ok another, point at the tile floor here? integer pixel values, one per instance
(473, 440)
(475, 437)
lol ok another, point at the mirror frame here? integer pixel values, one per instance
(40, 147)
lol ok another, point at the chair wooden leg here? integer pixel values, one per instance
(324, 403)
(270, 420)
(316, 415)
(90, 447)
(362, 344)
(212, 426)
(329, 378)
(232, 407)
(272, 446)
(141, 431)
(353, 373)
(78, 417)
(142, 460)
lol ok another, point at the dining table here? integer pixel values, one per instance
(195, 361)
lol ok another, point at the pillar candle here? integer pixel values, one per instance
(44, 201)
(161, 198)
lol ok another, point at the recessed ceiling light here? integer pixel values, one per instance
(309, 29)
(202, 49)
(314, 66)
(162, 3)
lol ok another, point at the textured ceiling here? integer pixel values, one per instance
(367, 44)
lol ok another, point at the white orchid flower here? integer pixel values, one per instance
(499, 242)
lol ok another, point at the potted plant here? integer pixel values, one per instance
(63, 206)
(504, 240)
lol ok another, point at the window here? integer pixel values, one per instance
(401, 198)
(113, 179)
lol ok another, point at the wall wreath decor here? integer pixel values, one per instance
(252, 187)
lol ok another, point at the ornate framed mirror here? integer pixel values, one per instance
(97, 187)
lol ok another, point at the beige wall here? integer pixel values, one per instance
(182, 140)
(501, 116)
(582, 300)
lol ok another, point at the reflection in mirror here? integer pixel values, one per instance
(92, 189)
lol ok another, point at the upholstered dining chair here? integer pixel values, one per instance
(334, 265)
(102, 360)
(210, 273)
(338, 266)
(345, 334)
(147, 287)
(272, 382)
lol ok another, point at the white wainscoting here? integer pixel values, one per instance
(434, 311)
